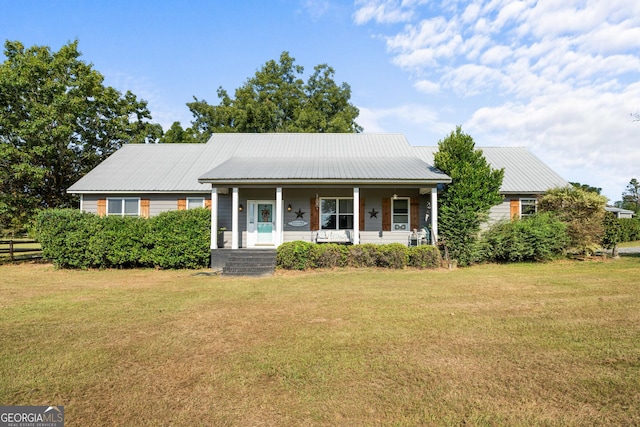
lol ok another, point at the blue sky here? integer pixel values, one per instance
(558, 77)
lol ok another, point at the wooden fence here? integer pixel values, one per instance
(19, 249)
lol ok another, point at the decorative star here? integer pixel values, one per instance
(373, 213)
(299, 214)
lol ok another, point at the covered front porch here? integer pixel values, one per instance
(265, 217)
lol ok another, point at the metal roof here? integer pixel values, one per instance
(294, 158)
(306, 170)
(523, 171)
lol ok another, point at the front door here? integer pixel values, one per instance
(261, 223)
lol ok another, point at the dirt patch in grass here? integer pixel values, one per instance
(525, 344)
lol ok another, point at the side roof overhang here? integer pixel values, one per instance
(524, 173)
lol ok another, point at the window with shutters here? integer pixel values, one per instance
(195, 202)
(336, 214)
(400, 214)
(125, 206)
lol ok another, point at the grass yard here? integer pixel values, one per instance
(630, 244)
(527, 344)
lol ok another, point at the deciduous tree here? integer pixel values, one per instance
(57, 121)
(177, 135)
(276, 99)
(582, 211)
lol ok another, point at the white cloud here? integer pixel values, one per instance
(470, 79)
(316, 8)
(495, 55)
(558, 77)
(470, 13)
(396, 119)
(385, 11)
(428, 87)
(584, 134)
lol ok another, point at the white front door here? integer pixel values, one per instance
(261, 226)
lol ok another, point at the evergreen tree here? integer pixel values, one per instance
(465, 202)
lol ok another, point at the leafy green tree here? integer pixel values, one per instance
(177, 135)
(276, 99)
(465, 202)
(631, 196)
(587, 187)
(582, 211)
(612, 233)
(57, 122)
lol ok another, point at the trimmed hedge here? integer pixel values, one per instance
(180, 239)
(73, 239)
(299, 255)
(630, 229)
(294, 255)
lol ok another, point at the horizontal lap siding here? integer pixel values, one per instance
(158, 203)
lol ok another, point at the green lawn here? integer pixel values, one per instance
(630, 244)
(525, 344)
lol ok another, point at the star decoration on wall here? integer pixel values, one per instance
(373, 214)
(299, 214)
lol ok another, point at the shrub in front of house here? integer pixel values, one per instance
(364, 255)
(329, 255)
(121, 243)
(301, 255)
(65, 236)
(541, 237)
(180, 239)
(393, 255)
(425, 256)
(73, 239)
(294, 255)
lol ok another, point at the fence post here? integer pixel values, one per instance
(11, 250)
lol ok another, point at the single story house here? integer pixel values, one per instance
(619, 212)
(266, 189)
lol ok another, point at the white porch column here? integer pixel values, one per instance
(356, 215)
(214, 218)
(234, 218)
(434, 215)
(279, 217)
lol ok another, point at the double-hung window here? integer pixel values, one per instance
(125, 206)
(400, 214)
(336, 214)
(527, 207)
(195, 202)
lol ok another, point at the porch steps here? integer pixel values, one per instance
(250, 262)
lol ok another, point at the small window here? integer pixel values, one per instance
(336, 214)
(528, 207)
(400, 209)
(195, 202)
(123, 207)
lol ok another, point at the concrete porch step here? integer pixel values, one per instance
(248, 262)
